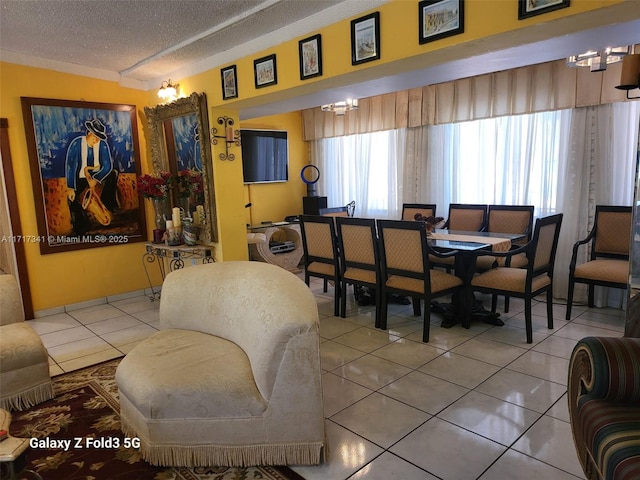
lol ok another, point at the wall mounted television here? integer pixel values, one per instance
(265, 155)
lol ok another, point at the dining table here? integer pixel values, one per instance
(464, 307)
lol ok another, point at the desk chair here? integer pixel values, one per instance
(320, 247)
(608, 263)
(531, 281)
(406, 270)
(409, 210)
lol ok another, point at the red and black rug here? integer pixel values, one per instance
(77, 436)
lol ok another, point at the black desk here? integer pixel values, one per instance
(464, 306)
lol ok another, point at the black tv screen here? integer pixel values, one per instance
(265, 156)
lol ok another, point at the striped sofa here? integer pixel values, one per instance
(604, 406)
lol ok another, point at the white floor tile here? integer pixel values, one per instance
(77, 349)
(541, 365)
(339, 393)
(89, 360)
(334, 355)
(95, 314)
(53, 323)
(390, 467)
(408, 353)
(460, 370)
(129, 335)
(372, 372)
(516, 466)
(114, 324)
(489, 352)
(67, 335)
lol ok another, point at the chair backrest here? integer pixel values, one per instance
(358, 243)
(612, 232)
(409, 210)
(544, 244)
(511, 219)
(334, 212)
(318, 239)
(403, 250)
(467, 216)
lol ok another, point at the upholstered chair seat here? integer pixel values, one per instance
(233, 376)
(606, 270)
(24, 361)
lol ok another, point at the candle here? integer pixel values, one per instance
(196, 217)
(169, 224)
(175, 216)
(230, 134)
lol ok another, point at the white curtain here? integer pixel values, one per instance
(367, 168)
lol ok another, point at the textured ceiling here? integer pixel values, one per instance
(144, 39)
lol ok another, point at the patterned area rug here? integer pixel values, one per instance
(77, 436)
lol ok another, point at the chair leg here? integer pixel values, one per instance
(570, 297)
(527, 319)
(494, 303)
(592, 290)
(416, 305)
(550, 308)
(324, 289)
(384, 305)
(336, 296)
(427, 320)
(506, 304)
(343, 299)
(378, 307)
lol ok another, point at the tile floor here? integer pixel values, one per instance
(471, 404)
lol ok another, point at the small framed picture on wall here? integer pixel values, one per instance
(439, 19)
(531, 8)
(229, 82)
(310, 53)
(365, 39)
(265, 72)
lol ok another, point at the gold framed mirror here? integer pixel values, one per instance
(167, 154)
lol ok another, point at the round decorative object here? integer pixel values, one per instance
(304, 178)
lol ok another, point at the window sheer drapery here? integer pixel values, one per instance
(561, 161)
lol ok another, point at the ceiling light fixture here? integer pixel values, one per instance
(168, 92)
(630, 75)
(597, 60)
(340, 108)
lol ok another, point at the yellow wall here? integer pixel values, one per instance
(70, 277)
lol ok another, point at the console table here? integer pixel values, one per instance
(173, 258)
(259, 250)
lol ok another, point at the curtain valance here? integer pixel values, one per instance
(535, 88)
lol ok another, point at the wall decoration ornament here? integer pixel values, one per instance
(310, 57)
(84, 161)
(531, 8)
(229, 82)
(439, 19)
(365, 39)
(265, 71)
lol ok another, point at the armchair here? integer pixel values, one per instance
(24, 361)
(604, 407)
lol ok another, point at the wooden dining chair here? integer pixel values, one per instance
(508, 219)
(404, 255)
(409, 210)
(359, 258)
(467, 216)
(527, 282)
(321, 260)
(608, 264)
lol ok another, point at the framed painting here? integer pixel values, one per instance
(84, 161)
(265, 72)
(310, 53)
(439, 19)
(531, 8)
(365, 39)
(229, 82)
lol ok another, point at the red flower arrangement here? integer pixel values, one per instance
(155, 186)
(189, 183)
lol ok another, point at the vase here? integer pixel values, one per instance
(184, 204)
(160, 208)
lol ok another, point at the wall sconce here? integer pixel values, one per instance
(597, 61)
(168, 92)
(231, 137)
(630, 76)
(340, 108)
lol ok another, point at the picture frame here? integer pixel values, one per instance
(527, 10)
(365, 39)
(84, 161)
(439, 19)
(229, 79)
(310, 57)
(265, 71)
